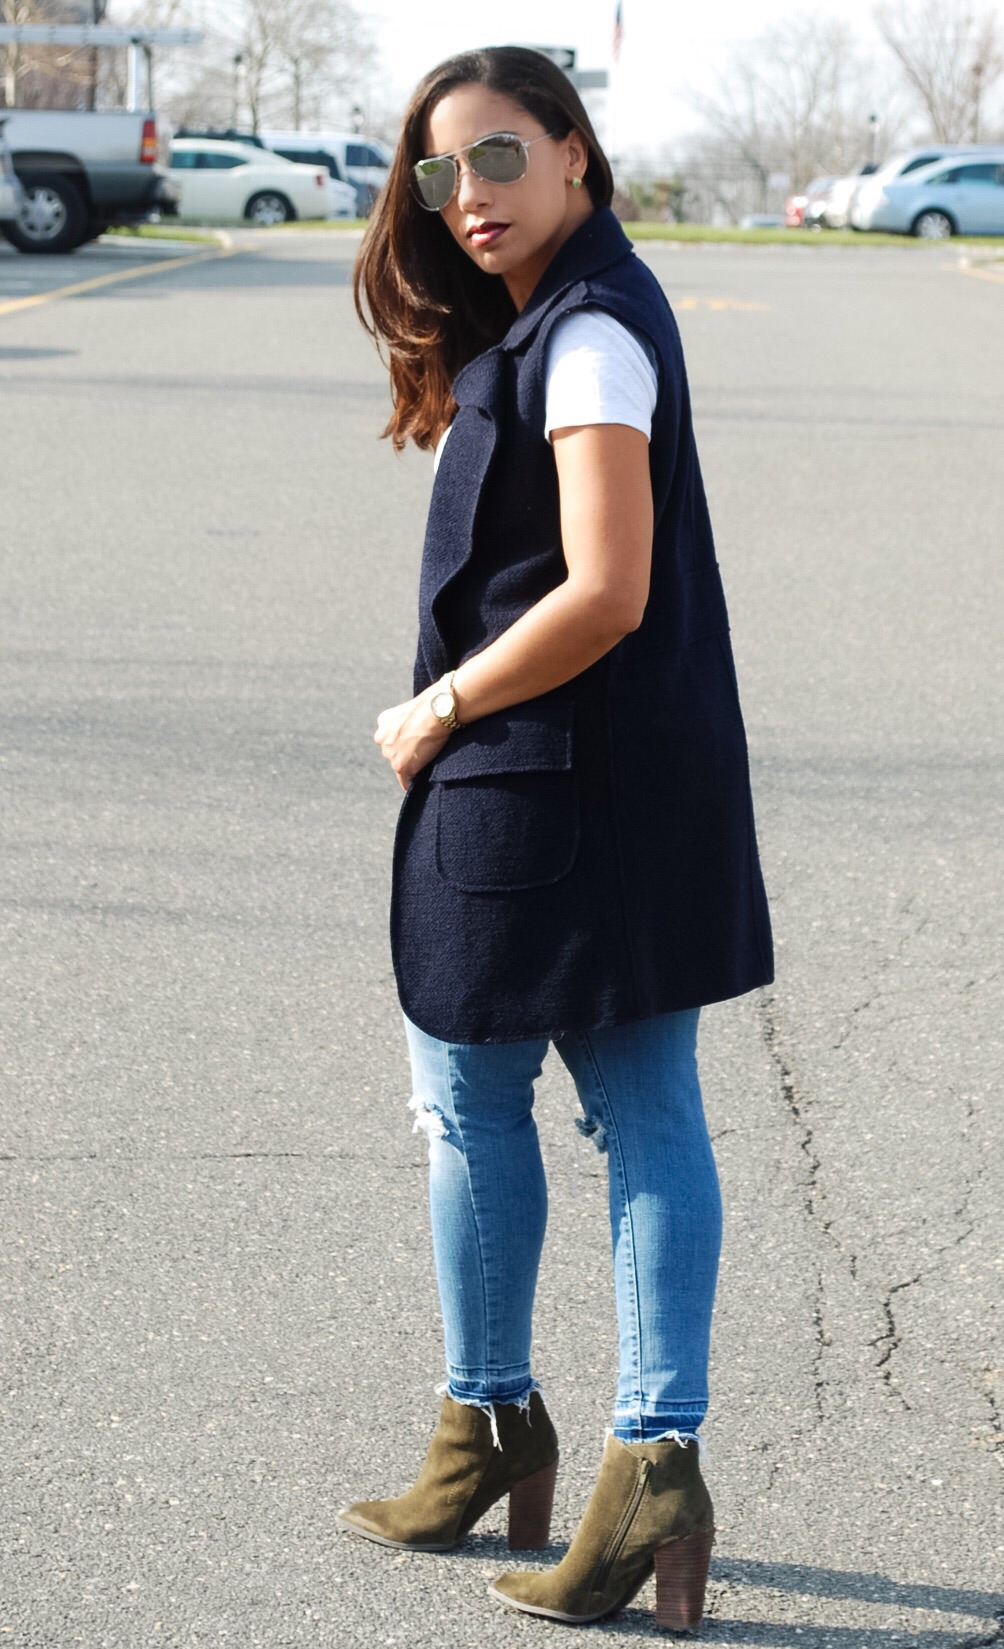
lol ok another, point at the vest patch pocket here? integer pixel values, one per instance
(507, 809)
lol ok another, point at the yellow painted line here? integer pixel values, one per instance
(996, 275)
(117, 275)
(716, 304)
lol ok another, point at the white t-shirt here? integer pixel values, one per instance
(597, 371)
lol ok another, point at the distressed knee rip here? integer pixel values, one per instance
(429, 1120)
(593, 1130)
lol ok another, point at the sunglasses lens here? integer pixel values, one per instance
(500, 159)
(433, 182)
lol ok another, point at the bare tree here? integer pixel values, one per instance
(263, 62)
(33, 76)
(951, 55)
(293, 44)
(795, 100)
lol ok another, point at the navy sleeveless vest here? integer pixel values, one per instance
(587, 857)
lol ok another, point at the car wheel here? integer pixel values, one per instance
(268, 208)
(933, 226)
(53, 217)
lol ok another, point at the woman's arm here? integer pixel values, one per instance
(605, 495)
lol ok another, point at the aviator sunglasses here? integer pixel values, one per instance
(499, 158)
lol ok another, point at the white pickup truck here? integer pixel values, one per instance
(82, 171)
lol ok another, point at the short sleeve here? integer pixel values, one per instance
(598, 372)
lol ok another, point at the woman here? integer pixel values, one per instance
(575, 860)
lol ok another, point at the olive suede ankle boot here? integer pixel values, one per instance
(650, 1509)
(464, 1473)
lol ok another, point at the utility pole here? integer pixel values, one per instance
(98, 9)
(977, 72)
(297, 87)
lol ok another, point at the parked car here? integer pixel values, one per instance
(307, 150)
(223, 134)
(344, 197)
(830, 210)
(11, 192)
(958, 198)
(219, 179)
(901, 166)
(301, 147)
(82, 170)
(796, 205)
(361, 161)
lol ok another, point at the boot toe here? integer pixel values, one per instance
(363, 1518)
(534, 1593)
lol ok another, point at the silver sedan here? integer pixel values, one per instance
(964, 197)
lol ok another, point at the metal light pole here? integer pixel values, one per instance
(238, 62)
(873, 126)
(977, 98)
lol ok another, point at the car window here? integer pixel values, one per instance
(311, 157)
(986, 172)
(212, 161)
(361, 154)
(921, 160)
(183, 160)
(944, 177)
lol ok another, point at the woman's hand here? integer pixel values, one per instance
(409, 735)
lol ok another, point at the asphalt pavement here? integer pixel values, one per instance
(217, 1306)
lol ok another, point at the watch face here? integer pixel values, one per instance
(442, 704)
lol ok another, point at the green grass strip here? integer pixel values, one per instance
(160, 231)
(682, 233)
(691, 232)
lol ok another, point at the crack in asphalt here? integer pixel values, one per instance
(891, 1338)
(886, 964)
(794, 1103)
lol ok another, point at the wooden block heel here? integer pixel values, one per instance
(681, 1573)
(530, 1503)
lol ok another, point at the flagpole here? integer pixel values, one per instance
(615, 53)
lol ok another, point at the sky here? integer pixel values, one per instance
(666, 49)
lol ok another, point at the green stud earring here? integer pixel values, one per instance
(576, 183)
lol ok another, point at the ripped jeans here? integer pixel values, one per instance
(639, 1091)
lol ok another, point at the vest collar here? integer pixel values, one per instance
(596, 244)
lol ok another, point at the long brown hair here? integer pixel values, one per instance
(416, 292)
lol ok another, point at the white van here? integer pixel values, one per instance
(363, 162)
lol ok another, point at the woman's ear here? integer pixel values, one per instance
(578, 153)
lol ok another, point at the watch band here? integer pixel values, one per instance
(444, 689)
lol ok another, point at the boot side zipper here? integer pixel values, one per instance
(617, 1540)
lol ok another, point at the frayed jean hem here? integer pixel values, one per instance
(519, 1398)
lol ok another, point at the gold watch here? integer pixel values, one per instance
(444, 703)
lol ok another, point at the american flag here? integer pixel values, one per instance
(615, 48)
